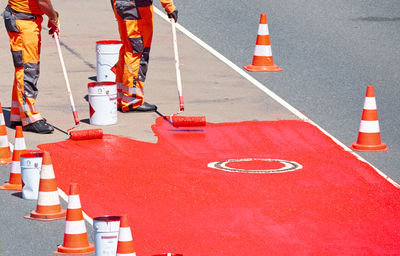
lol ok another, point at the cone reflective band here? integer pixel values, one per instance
(125, 241)
(262, 58)
(75, 235)
(5, 152)
(15, 181)
(48, 205)
(369, 138)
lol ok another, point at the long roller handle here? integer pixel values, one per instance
(74, 113)
(177, 67)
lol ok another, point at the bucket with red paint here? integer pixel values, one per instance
(31, 165)
(107, 56)
(106, 229)
(103, 103)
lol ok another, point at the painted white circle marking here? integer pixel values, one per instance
(288, 166)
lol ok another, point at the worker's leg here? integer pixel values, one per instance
(25, 48)
(136, 30)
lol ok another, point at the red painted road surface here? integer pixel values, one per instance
(332, 204)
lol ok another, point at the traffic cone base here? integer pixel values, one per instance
(9, 186)
(361, 147)
(47, 216)
(253, 68)
(77, 251)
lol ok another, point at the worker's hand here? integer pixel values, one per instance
(54, 26)
(173, 15)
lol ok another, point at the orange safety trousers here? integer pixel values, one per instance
(135, 24)
(25, 41)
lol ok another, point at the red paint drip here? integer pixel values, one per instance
(335, 205)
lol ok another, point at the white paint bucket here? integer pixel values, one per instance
(31, 165)
(106, 229)
(107, 57)
(103, 103)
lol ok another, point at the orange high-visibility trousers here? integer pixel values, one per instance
(25, 41)
(135, 24)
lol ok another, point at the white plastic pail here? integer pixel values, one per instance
(31, 165)
(106, 229)
(103, 103)
(107, 56)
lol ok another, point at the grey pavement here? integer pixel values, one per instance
(210, 88)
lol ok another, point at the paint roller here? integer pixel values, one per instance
(182, 121)
(75, 135)
(86, 134)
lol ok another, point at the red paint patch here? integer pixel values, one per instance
(255, 165)
(335, 205)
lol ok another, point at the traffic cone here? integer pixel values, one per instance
(125, 242)
(15, 182)
(48, 205)
(5, 152)
(369, 138)
(75, 236)
(262, 58)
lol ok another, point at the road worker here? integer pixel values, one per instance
(23, 19)
(135, 24)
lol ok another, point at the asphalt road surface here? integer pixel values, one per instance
(329, 52)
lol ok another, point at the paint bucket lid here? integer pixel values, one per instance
(107, 218)
(32, 154)
(109, 42)
(95, 84)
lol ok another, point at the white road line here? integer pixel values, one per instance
(269, 92)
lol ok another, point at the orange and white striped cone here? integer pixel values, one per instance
(15, 182)
(262, 58)
(369, 137)
(76, 240)
(48, 205)
(5, 152)
(125, 242)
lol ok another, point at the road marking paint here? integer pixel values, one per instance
(269, 92)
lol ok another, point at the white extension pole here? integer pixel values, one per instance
(178, 70)
(75, 114)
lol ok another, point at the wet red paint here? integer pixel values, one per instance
(334, 205)
(255, 165)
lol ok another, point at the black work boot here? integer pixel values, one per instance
(14, 124)
(40, 126)
(146, 107)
